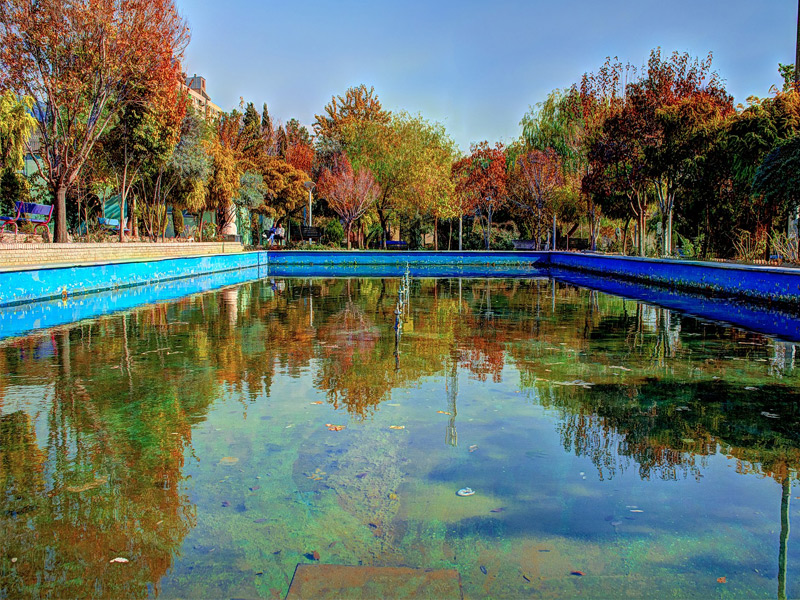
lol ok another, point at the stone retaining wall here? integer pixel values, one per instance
(31, 254)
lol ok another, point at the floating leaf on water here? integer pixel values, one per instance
(576, 383)
(577, 573)
(392, 496)
(636, 510)
(318, 402)
(498, 510)
(616, 523)
(526, 578)
(473, 447)
(621, 368)
(483, 570)
(361, 475)
(770, 415)
(443, 412)
(397, 426)
(97, 482)
(255, 488)
(465, 492)
(228, 460)
(261, 520)
(336, 427)
(750, 388)
(119, 559)
(721, 580)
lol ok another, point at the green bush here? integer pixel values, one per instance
(333, 233)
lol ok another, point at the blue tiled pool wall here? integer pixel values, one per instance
(32, 285)
(771, 321)
(420, 258)
(20, 319)
(770, 284)
(35, 298)
(760, 283)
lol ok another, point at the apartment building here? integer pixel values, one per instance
(201, 102)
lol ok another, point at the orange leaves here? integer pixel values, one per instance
(332, 427)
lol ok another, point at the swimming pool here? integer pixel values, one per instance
(616, 447)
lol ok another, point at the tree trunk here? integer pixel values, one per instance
(450, 236)
(347, 234)
(60, 236)
(489, 228)
(460, 230)
(436, 233)
(625, 237)
(668, 232)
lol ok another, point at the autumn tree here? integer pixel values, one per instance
(180, 179)
(410, 159)
(541, 173)
(145, 132)
(84, 62)
(356, 108)
(350, 194)
(678, 98)
(480, 179)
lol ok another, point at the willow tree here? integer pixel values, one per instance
(16, 127)
(84, 62)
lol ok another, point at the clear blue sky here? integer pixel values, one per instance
(476, 67)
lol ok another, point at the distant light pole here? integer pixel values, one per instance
(797, 50)
(309, 185)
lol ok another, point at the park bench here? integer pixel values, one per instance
(310, 233)
(111, 225)
(38, 215)
(396, 245)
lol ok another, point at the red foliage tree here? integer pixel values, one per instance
(481, 179)
(349, 194)
(83, 62)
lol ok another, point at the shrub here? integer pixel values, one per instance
(333, 233)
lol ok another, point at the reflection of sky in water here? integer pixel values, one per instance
(639, 447)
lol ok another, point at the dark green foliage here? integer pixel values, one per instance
(778, 177)
(12, 189)
(333, 232)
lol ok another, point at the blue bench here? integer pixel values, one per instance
(38, 215)
(110, 224)
(396, 244)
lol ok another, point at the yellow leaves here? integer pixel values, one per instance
(335, 427)
(16, 127)
(397, 426)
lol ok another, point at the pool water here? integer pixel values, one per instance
(209, 445)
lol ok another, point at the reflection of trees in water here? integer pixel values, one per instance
(125, 391)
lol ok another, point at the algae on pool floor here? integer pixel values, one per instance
(646, 449)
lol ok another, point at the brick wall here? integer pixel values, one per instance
(27, 254)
